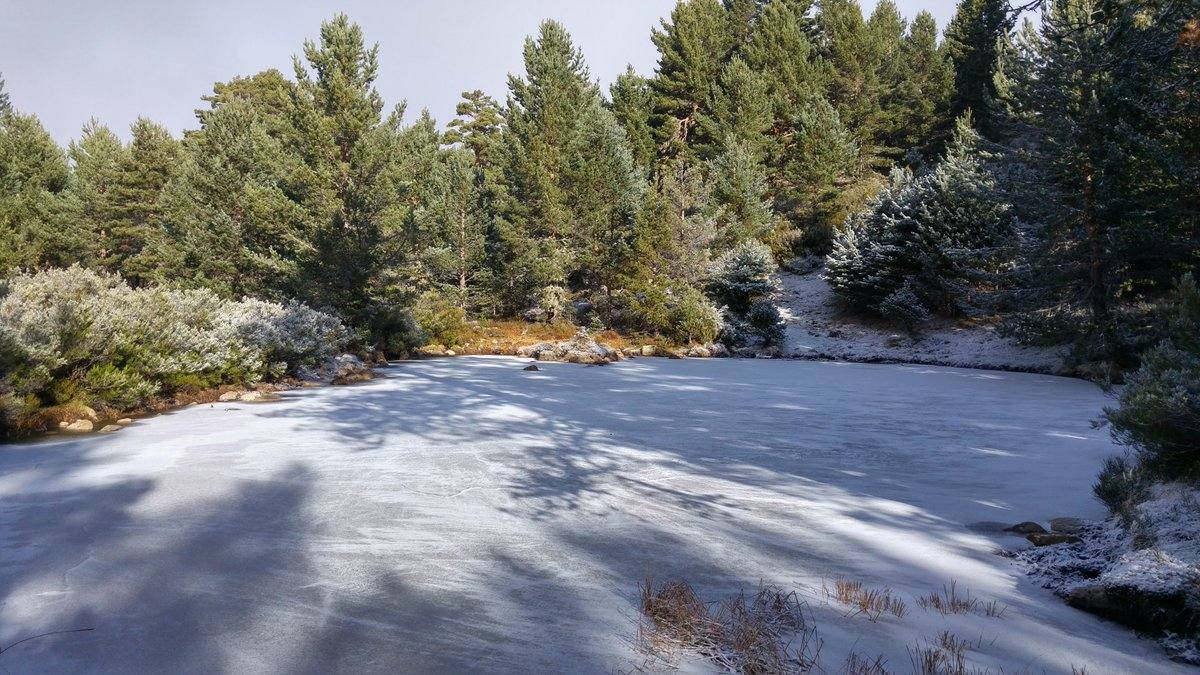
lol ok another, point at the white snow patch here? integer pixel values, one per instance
(817, 329)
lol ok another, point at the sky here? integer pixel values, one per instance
(114, 60)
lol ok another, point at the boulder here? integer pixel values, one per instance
(1051, 538)
(229, 396)
(1066, 525)
(647, 350)
(451, 352)
(718, 350)
(699, 352)
(530, 351)
(124, 421)
(336, 370)
(1027, 527)
(87, 412)
(631, 352)
(1093, 598)
(531, 367)
(534, 315)
(580, 349)
(253, 396)
(80, 426)
(109, 428)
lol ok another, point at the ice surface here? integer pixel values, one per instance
(465, 515)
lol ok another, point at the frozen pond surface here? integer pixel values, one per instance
(463, 514)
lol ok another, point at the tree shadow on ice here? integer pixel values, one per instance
(233, 583)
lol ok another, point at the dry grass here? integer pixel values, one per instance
(870, 602)
(857, 664)
(930, 659)
(948, 601)
(506, 337)
(947, 655)
(763, 633)
(995, 609)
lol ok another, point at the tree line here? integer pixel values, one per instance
(764, 122)
(1049, 170)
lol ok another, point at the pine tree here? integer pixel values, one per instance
(351, 151)
(922, 94)
(530, 247)
(633, 105)
(926, 239)
(1105, 167)
(780, 49)
(688, 213)
(819, 158)
(854, 85)
(477, 127)
(456, 212)
(143, 172)
(232, 224)
(98, 157)
(739, 113)
(971, 44)
(693, 47)
(606, 191)
(270, 94)
(5, 101)
(33, 178)
(1061, 96)
(887, 30)
(739, 183)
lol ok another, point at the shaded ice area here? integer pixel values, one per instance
(465, 515)
(817, 329)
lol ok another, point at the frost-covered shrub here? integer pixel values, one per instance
(903, 306)
(765, 322)
(692, 318)
(553, 303)
(934, 234)
(1122, 484)
(184, 340)
(443, 321)
(742, 276)
(1159, 411)
(80, 337)
(291, 332)
(743, 281)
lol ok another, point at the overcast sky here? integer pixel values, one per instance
(69, 60)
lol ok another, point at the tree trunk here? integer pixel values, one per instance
(1097, 289)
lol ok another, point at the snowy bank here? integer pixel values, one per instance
(1145, 573)
(817, 329)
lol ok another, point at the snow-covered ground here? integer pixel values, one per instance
(465, 515)
(816, 329)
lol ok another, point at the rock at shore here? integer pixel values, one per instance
(344, 369)
(582, 348)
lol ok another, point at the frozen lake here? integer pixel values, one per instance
(463, 514)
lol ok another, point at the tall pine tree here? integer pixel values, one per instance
(971, 44)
